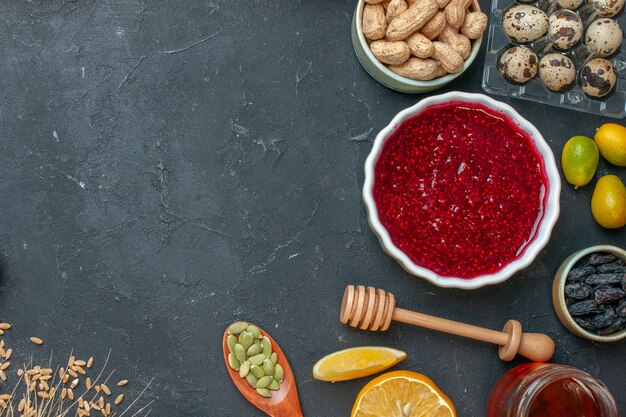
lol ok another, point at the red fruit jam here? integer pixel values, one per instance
(461, 189)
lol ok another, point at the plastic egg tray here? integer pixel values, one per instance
(613, 105)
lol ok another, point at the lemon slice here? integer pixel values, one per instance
(356, 362)
(402, 394)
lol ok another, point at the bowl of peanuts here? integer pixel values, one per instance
(416, 46)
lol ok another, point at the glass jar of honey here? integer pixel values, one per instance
(550, 390)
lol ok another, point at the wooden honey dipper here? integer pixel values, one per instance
(374, 309)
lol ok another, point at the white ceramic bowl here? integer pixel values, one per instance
(388, 78)
(545, 226)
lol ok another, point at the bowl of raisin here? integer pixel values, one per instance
(589, 293)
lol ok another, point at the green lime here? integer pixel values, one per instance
(579, 160)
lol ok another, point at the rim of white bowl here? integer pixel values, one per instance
(416, 83)
(551, 208)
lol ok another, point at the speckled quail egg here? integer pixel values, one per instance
(569, 4)
(518, 64)
(606, 35)
(557, 72)
(566, 29)
(525, 23)
(607, 8)
(598, 77)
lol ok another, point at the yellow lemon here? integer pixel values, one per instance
(356, 363)
(579, 160)
(611, 140)
(402, 393)
(608, 203)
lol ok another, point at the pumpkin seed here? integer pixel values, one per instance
(257, 359)
(256, 332)
(279, 373)
(251, 354)
(264, 382)
(257, 371)
(246, 339)
(240, 353)
(244, 369)
(268, 367)
(255, 349)
(274, 385)
(267, 346)
(233, 362)
(237, 327)
(251, 379)
(231, 341)
(264, 392)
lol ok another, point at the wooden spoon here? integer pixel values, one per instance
(374, 309)
(284, 401)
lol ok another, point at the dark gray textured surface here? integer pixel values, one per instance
(168, 167)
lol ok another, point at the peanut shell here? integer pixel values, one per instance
(420, 45)
(412, 19)
(374, 21)
(395, 9)
(434, 26)
(474, 25)
(449, 59)
(417, 69)
(393, 53)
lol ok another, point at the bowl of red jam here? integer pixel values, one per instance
(461, 190)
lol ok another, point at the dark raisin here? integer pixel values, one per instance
(586, 323)
(624, 282)
(601, 258)
(598, 321)
(577, 290)
(569, 301)
(615, 327)
(607, 294)
(605, 319)
(617, 266)
(577, 274)
(621, 308)
(604, 279)
(582, 308)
